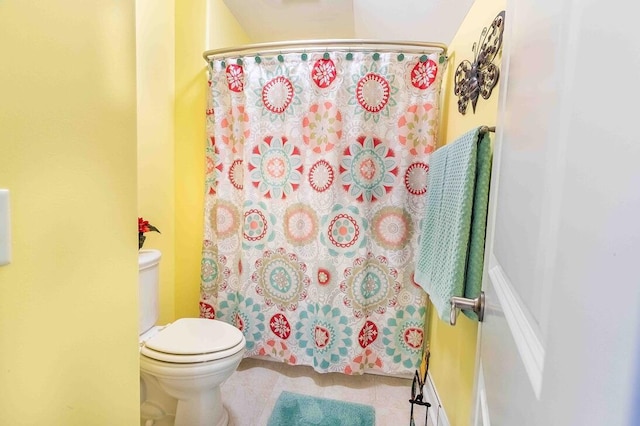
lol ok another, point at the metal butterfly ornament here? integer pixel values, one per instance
(476, 79)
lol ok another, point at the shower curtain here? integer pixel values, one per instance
(316, 169)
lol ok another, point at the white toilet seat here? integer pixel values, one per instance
(193, 340)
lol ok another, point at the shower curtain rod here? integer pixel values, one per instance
(324, 45)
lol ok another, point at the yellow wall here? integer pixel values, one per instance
(453, 348)
(193, 36)
(68, 301)
(155, 62)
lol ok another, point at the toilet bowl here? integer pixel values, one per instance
(183, 364)
(190, 358)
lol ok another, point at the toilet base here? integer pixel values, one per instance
(170, 420)
(205, 410)
(156, 407)
(160, 409)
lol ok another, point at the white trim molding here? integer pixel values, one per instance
(437, 415)
(527, 340)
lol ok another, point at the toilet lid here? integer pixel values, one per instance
(195, 336)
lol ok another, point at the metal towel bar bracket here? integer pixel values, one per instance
(487, 129)
(476, 305)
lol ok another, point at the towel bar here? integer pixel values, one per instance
(476, 305)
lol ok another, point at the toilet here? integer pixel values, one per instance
(182, 364)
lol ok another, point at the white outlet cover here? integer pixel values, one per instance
(5, 228)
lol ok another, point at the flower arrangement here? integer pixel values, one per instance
(144, 226)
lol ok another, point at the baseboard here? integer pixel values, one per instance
(437, 415)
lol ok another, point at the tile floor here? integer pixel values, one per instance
(252, 391)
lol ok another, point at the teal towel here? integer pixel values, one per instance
(451, 248)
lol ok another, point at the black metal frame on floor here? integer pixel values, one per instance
(417, 397)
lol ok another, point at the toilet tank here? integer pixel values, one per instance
(148, 288)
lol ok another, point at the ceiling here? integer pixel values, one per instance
(415, 20)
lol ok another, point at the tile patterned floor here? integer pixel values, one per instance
(252, 391)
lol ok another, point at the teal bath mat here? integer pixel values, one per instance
(293, 409)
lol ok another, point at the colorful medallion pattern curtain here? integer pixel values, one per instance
(315, 187)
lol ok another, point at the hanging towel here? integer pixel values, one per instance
(451, 248)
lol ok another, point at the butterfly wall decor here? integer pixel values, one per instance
(478, 78)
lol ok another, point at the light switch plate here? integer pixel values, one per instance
(5, 228)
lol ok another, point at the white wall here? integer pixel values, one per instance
(275, 20)
(434, 20)
(422, 20)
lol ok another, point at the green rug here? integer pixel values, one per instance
(293, 409)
